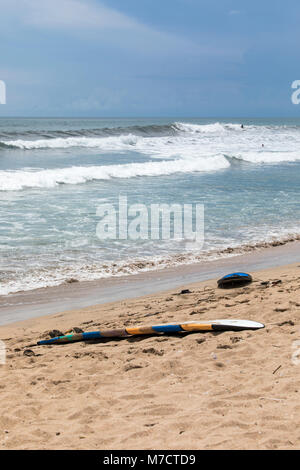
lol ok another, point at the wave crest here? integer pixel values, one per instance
(108, 137)
(18, 180)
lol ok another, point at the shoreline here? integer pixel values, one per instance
(136, 266)
(222, 390)
(46, 301)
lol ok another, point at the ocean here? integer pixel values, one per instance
(55, 173)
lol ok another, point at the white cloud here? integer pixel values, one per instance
(234, 12)
(93, 20)
(73, 14)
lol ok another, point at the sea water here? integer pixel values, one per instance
(55, 173)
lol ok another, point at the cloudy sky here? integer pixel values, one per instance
(149, 57)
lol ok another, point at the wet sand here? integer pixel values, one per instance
(34, 303)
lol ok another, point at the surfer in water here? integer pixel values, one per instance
(242, 126)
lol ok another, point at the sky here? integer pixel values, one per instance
(193, 58)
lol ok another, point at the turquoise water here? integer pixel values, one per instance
(54, 173)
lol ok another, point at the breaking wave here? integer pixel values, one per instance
(153, 130)
(255, 144)
(110, 139)
(21, 179)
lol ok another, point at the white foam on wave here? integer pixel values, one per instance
(191, 141)
(177, 146)
(115, 142)
(269, 157)
(198, 128)
(214, 128)
(55, 275)
(122, 141)
(110, 143)
(17, 180)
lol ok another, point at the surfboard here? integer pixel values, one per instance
(215, 325)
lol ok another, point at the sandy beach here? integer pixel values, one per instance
(230, 390)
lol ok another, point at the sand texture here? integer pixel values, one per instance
(230, 390)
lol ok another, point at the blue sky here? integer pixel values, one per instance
(149, 57)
